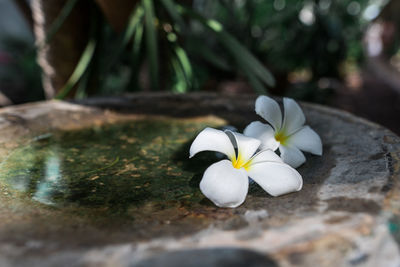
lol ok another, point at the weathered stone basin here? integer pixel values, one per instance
(108, 182)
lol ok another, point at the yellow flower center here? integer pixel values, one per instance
(240, 163)
(281, 138)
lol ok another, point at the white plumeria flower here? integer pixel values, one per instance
(289, 135)
(226, 182)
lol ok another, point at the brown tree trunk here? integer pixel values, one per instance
(117, 12)
(58, 58)
(391, 12)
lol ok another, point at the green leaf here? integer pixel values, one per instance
(134, 22)
(82, 65)
(172, 11)
(185, 64)
(243, 57)
(81, 88)
(60, 19)
(133, 84)
(258, 87)
(210, 56)
(180, 85)
(151, 42)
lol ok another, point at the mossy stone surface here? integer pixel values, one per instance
(113, 186)
(114, 167)
(128, 178)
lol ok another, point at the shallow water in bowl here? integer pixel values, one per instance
(113, 167)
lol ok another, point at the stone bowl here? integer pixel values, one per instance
(108, 182)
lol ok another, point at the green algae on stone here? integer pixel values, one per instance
(115, 167)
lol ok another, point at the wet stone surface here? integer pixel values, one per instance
(128, 177)
(82, 186)
(111, 167)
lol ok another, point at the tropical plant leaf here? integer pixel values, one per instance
(254, 81)
(180, 85)
(151, 42)
(243, 57)
(210, 56)
(135, 20)
(133, 84)
(82, 65)
(82, 85)
(59, 21)
(185, 64)
(172, 11)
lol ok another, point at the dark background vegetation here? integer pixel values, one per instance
(343, 53)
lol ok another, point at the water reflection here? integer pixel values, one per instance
(49, 186)
(115, 167)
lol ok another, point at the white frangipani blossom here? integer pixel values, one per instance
(289, 133)
(226, 182)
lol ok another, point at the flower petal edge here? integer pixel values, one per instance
(212, 140)
(270, 111)
(276, 178)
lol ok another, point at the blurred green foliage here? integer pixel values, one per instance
(285, 35)
(315, 36)
(167, 46)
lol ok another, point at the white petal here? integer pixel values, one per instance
(276, 178)
(269, 110)
(307, 140)
(224, 185)
(292, 156)
(247, 146)
(262, 132)
(212, 140)
(294, 117)
(265, 155)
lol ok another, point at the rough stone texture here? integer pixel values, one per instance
(345, 215)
